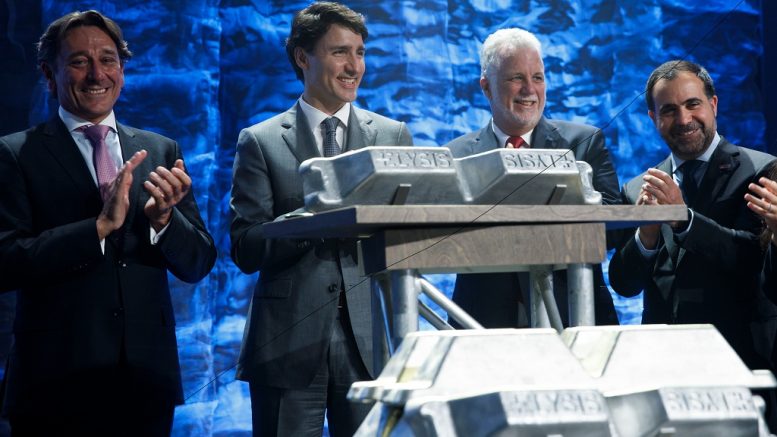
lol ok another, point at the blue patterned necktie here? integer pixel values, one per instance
(331, 148)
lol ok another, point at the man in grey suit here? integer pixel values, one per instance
(308, 334)
(705, 269)
(513, 81)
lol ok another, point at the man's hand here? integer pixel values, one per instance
(763, 201)
(664, 190)
(115, 208)
(648, 234)
(167, 188)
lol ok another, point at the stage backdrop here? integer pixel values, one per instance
(205, 69)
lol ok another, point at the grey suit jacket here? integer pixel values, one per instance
(493, 298)
(79, 309)
(710, 275)
(295, 300)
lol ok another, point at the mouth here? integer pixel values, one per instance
(94, 91)
(525, 103)
(347, 81)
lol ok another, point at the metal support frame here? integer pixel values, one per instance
(580, 279)
(544, 311)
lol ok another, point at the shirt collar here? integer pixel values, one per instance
(315, 116)
(73, 122)
(705, 157)
(502, 137)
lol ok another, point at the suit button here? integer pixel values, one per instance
(333, 288)
(118, 312)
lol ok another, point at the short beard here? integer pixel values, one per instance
(684, 150)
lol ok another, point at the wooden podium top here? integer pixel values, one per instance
(365, 220)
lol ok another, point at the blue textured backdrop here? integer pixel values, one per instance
(205, 69)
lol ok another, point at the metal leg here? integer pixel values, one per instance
(382, 347)
(580, 283)
(453, 310)
(544, 312)
(404, 304)
(433, 318)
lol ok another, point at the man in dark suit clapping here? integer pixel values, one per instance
(94, 215)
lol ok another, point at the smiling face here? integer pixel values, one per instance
(333, 70)
(684, 115)
(516, 91)
(88, 74)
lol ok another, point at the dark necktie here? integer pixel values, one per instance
(515, 142)
(331, 148)
(104, 166)
(689, 186)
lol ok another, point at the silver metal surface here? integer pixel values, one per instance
(580, 279)
(432, 317)
(465, 320)
(404, 304)
(431, 176)
(640, 381)
(373, 176)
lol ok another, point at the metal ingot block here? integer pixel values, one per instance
(527, 177)
(682, 380)
(381, 176)
(483, 383)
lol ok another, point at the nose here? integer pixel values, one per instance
(354, 63)
(95, 72)
(684, 116)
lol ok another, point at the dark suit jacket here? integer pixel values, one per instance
(710, 275)
(493, 298)
(295, 300)
(78, 310)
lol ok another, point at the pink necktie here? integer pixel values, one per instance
(104, 166)
(515, 143)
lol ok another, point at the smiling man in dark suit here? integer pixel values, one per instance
(88, 246)
(308, 335)
(705, 269)
(513, 80)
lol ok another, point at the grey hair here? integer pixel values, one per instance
(501, 43)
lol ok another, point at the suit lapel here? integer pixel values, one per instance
(60, 144)
(546, 136)
(360, 131)
(485, 141)
(298, 135)
(129, 146)
(723, 163)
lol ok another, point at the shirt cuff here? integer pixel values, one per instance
(688, 226)
(155, 236)
(647, 253)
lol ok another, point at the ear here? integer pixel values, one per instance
(48, 73)
(485, 87)
(652, 116)
(301, 58)
(714, 103)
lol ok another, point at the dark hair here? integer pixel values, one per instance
(669, 70)
(311, 23)
(49, 43)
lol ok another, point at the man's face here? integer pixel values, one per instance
(516, 91)
(88, 74)
(333, 70)
(683, 115)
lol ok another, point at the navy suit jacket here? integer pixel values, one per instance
(499, 300)
(78, 310)
(710, 275)
(295, 300)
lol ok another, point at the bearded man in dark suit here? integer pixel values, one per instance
(513, 80)
(309, 332)
(88, 246)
